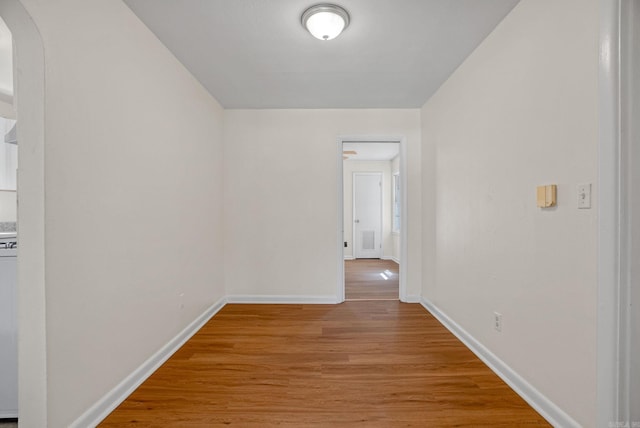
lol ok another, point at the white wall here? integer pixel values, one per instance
(349, 167)
(6, 110)
(7, 205)
(281, 197)
(520, 112)
(8, 165)
(8, 157)
(133, 167)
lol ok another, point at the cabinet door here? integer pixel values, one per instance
(8, 339)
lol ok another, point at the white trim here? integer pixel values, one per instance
(615, 216)
(608, 334)
(551, 412)
(395, 232)
(390, 258)
(349, 257)
(404, 223)
(403, 202)
(340, 291)
(284, 299)
(101, 409)
(630, 282)
(29, 92)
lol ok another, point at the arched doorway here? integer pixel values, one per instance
(29, 102)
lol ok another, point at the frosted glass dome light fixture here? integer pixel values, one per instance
(325, 21)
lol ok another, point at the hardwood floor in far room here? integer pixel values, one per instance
(364, 363)
(371, 279)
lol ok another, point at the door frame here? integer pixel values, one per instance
(29, 87)
(353, 210)
(402, 291)
(616, 279)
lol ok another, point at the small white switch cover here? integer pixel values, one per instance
(497, 321)
(584, 196)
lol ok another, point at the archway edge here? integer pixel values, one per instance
(29, 88)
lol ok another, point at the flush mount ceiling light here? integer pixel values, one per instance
(325, 21)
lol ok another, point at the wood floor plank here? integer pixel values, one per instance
(363, 279)
(361, 363)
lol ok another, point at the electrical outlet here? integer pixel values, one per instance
(181, 296)
(345, 244)
(497, 321)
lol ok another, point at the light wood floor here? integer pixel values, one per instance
(363, 279)
(362, 363)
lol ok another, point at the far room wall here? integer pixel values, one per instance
(281, 197)
(8, 167)
(6, 108)
(7, 205)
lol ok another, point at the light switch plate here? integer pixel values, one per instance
(584, 196)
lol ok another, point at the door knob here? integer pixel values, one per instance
(356, 221)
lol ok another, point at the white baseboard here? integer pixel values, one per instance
(395, 260)
(411, 299)
(101, 409)
(551, 412)
(283, 299)
(381, 258)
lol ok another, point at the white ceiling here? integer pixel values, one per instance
(256, 54)
(371, 151)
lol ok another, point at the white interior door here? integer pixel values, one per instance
(367, 215)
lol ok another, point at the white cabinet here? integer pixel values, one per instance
(8, 338)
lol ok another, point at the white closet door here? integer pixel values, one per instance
(367, 214)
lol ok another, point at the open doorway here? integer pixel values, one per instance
(371, 205)
(28, 107)
(8, 235)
